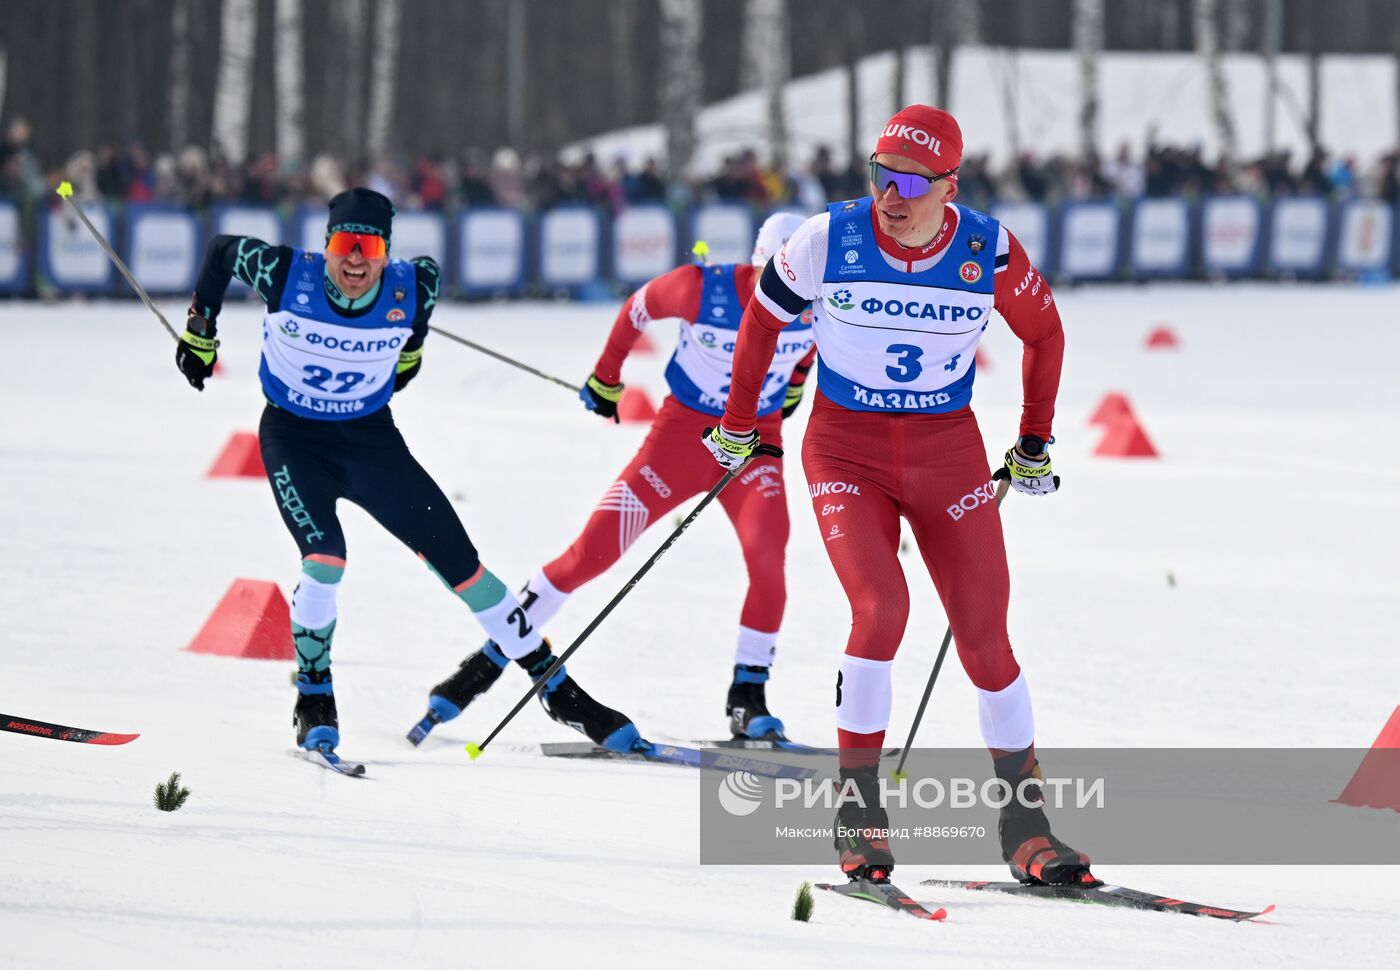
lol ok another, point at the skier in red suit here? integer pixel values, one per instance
(903, 283)
(708, 302)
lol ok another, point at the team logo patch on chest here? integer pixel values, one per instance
(970, 272)
(394, 315)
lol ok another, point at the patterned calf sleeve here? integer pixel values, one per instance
(313, 612)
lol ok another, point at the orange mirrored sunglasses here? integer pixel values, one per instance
(344, 243)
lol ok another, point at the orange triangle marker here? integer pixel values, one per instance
(1125, 439)
(1162, 338)
(1376, 783)
(252, 621)
(241, 458)
(1110, 409)
(635, 406)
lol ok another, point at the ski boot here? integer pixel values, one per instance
(862, 832)
(1029, 848)
(314, 714)
(566, 702)
(473, 677)
(747, 708)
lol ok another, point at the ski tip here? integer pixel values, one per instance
(473, 751)
(939, 914)
(1266, 910)
(114, 739)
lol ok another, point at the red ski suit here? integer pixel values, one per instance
(670, 468)
(866, 469)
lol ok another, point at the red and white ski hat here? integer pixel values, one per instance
(927, 135)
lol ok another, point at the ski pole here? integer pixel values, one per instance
(899, 774)
(474, 750)
(65, 192)
(504, 359)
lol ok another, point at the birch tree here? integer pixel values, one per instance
(682, 81)
(291, 81)
(766, 65)
(1217, 93)
(1088, 48)
(388, 14)
(233, 89)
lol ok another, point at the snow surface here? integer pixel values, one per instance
(1274, 507)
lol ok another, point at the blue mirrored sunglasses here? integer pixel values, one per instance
(909, 185)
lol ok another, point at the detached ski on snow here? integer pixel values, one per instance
(883, 894)
(673, 754)
(61, 732)
(1104, 895)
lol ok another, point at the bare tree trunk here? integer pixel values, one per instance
(388, 14)
(1314, 80)
(1236, 25)
(955, 22)
(1395, 45)
(291, 85)
(622, 23)
(941, 44)
(767, 64)
(1217, 94)
(516, 75)
(233, 92)
(352, 119)
(681, 81)
(900, 62)
(4, 77)
(1273, 30)
(1088, 46)
(855, 41)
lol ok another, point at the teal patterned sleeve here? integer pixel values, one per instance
(262, 266)
(429, 283)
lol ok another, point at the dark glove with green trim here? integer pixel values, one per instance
(794, 390)
(410, 363)
(197, 350)
(601, 398)
(1027, 468)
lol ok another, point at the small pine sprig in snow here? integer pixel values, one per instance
(170, 795)
(803, 905)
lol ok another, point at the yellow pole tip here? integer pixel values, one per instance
(701, 248)
(901, 776)
(473, 751)
(65, 189)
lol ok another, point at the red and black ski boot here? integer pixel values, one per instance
(1030, 849)
(863, 830)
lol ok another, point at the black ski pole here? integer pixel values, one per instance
(65, 192)
(933, 677)
(504, 359)
(474, 750)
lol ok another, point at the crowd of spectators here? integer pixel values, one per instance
(199, 178)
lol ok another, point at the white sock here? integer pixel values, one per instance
(313, 603)
(755, 649)
(1006, 717)
(548, 600)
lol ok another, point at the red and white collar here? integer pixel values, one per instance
(912, 260)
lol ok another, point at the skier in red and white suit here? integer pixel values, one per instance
(708, 301)
(903, 284)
